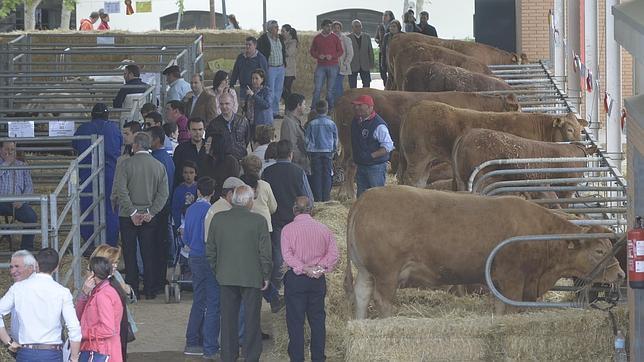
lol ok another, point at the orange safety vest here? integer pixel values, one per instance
(86, 24)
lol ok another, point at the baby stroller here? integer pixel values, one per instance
(181, 278)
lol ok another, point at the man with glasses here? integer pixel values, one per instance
(152, 119)
(246, 62)
(16, 182)
(133, 84)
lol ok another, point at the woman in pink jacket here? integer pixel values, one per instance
(100, 309)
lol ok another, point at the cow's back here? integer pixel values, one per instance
(445, 235)
(439, 77)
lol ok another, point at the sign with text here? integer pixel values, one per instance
(112, 7)
(21, 129)
(61, 128)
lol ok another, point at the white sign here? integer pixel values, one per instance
(61, 128)
(21, 129)
(104, 40)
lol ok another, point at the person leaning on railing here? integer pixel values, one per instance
(16, 183)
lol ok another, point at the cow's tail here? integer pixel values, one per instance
(348, 275)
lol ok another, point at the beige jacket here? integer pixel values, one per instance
(291, 58)
(264, 203)
(347, 55)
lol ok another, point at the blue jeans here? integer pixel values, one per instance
(322, 73)
(275, 81)
(338, 89)
(370, 176)
(364, 75)
(321, 175)
(39, 355)
(304, 299)
(203, 323)
(23, 214)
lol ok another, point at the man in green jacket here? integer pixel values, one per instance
(141, 186)
(238, 249)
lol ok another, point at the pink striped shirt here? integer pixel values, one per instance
(307, 242)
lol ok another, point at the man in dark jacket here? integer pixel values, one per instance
(193, 150)
(271, 45)
(234, 128)
(246, 62)
(133, 84)
(423, 25)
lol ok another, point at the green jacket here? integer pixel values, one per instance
(141, 183)
(238, 248)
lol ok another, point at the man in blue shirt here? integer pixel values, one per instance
(113, 140)
(245, 64)
(164, 234)
(178, 86)
(321, 136)
(371, 144)
(202, 333)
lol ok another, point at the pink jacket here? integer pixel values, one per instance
(100, 318)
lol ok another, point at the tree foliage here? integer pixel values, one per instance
(10, 5)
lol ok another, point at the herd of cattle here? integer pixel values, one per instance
(443, 129)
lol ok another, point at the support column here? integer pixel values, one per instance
(592, 64)
(560, 51)
(614, 89)
(572, 32)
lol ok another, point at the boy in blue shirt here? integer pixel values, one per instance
(185, 194)
(203, 323)
(321, 136)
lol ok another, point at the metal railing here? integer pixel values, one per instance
(60, 211)
(541, 238)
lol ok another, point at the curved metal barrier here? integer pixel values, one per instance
(534, 238)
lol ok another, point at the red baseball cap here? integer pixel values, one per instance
(363, 99)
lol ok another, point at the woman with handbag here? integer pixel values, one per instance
(100, 308)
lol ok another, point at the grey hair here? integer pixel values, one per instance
(298, 208)
(271, 23)
(242, 195)
(27, 258)
(356, 22)
(143, 140)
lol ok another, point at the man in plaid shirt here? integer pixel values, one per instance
(16, 182)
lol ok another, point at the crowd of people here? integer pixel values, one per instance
(206, 175)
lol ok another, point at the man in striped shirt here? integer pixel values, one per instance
(310, 251)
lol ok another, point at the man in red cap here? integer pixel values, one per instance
(371, 144)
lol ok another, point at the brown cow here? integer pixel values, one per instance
(391, 105)
(402, 55)
(484, 53)
(429, 130)
(477, 146)
(435, 238)
(439, 77)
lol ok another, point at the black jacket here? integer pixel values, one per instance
(123, 92)
(264, 47)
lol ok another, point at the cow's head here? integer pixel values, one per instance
(588, 150)
(522, 59)
(511, 103)
(567, 128)
(585, 255)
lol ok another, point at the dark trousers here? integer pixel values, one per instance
(288, 84)
(203, 323)
(162, 237)
(304, 297)
(145, 234)
(23, 214)
(232, 297)
(321, 175)
(382, 68)
(365, 75)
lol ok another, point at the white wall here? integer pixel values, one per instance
(452, 18)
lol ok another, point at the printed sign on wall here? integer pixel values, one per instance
(144, 6)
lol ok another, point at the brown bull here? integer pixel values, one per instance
(435, 238)
(477, 146)
(439, 77)
(391, 105)
(402, 54)
(484, 53)
(429, 130)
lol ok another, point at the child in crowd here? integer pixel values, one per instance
(202, 333)
(185, 194)
(321, 136)
(171, 135)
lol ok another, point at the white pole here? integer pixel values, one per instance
(592, 64)
(614, 88)
(573, 29)
(560, 52)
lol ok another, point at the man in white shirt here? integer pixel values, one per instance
(40, 304)
(22, 266)
(178, 87)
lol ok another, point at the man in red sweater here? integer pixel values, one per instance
(326, 48)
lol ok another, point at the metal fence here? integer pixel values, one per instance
(59, 211)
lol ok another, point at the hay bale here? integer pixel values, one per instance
(561, 335)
